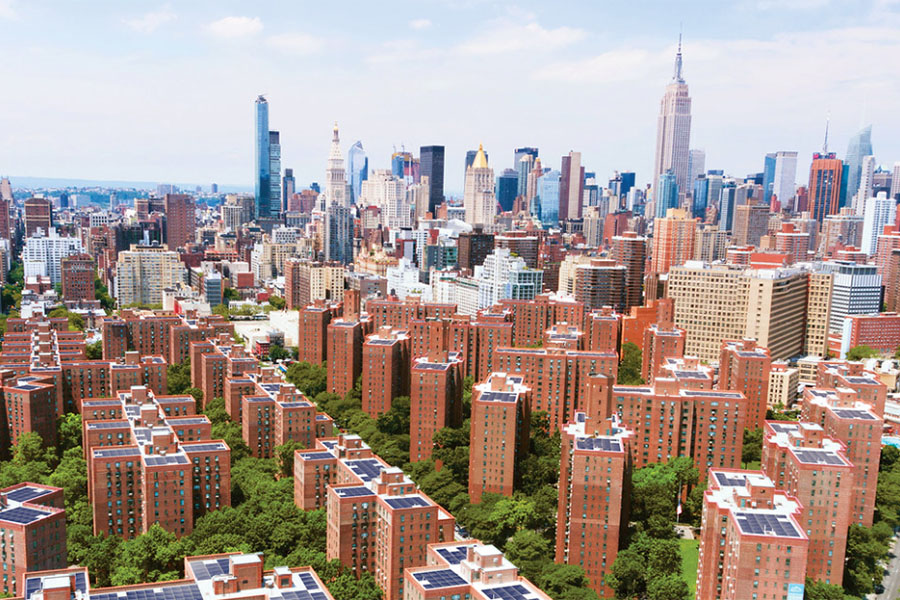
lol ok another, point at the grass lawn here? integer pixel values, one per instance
(690, 552)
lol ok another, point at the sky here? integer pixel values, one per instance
(164, 91)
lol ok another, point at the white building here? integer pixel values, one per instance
(99, 219)
(286, 235)
(143, 272)
(335, 174)
(43, 254)
(880, 211)
(478, 198)
(387, 192)
(403, 281)
(504, 276)
(866, 185)
(785, 179)
(673, 133)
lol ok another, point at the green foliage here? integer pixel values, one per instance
(565, 582)
(76, 321)
(752, 448)
(861, 352)
(69, 432)
(285, 455)
(144, 306)
(277, 302)
(530, 551)
(11, 294)
(221, 310)
(309, 378)
(818, 590)
(656, 491)
(645, 561)
(101, 293)
(278, 352)
(866, 547)
(396, 420)
(178, 377)
(229, 294)
(223, 428)
(94, 350)
(197, 394)
(782, 415)
(630, 365)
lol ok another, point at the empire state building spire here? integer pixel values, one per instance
(677, 77)
(673, 134)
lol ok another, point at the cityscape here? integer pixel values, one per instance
(439, 372)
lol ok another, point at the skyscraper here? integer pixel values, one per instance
(866, 185)
(860, 146)
(431, 164)
(507, 183)
(673, 134)
(666, 193)
(478, 197)
(700, 197)
(879, 211)
(262, 180)
(471, 154)
(357, 170)
(548, 196)
(726, 205)
(338, 232)
(274, 174)
(523, 161)
(38, 214)
(181, 220)
(335, 176)
(768, 182)
(785, 176)
(571, 186)
(288, 187)
(696, 165)
(825, 174)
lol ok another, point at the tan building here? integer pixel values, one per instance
(818, 314)
(722, 302)
(783, 385)
(144, 271)
(751, 222)
(709, 243)
(673, 240)
(267, 260)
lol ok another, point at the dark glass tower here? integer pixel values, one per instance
(263, 183)
(431, 163)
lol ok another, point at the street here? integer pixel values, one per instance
(891, 582)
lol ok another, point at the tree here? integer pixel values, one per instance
(197, 394)
(277, 302)
(668, 587)
(94, 350)
(630, 365)
(178, 377)
(277, 352)
(529, 551)
(752, 448)
(560, 580)
(221, 310)
(230, 294)
(861, 352)
(864, 552)
(285, 455)
(68, 432)
(309, 378)
(819, 590)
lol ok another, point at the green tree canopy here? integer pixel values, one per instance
(861, 352)
(630, 365)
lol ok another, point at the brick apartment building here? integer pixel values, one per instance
(436, 387)
(385, 369)
(32, 532)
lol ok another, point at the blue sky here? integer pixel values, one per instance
(164, 91)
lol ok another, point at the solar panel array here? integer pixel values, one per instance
(731, 479)
(203, 447)
(691, 375)
(21, 515)
(295, 404)
(27, 387)
(854, 413)
(366, 469)
(756, 523)
(604, 444)
(171, 459)
(454, 556)
(353, 492)
(316, 455)
(711, 394)
(35, 584)
(784, 427)
(494, 396)
(406, 502)
(509, 592)
(24, 494)
(116, 452)
(818, 457)
(107, 424)
(207, 569)
(431, 580)
(429, 366)
(185, 591)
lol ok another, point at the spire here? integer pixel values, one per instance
(480, 161)
(336, 139)
(677, 77)
(825, 144)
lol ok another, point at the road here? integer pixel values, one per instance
(891, 582)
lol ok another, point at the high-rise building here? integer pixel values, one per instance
(275, 200)
(630, 250)
(879, 211)
(673, 240)
(432, 165)
(181, 220)
(600, 282)
(38, 213)
(33, 521)
(859, 147)
(77, 275)
(345, 340)
(142, 272)
(856, 290)
(768, 182)
(785, 176)
(866, 188)
(505, 276)
(666, 193)
(744, 367)
(523, 163)
(825, 185)
(262, 181)
(673, 133)
(357, 170)
(662, 341)
(335, 175)
(700, 197)
(727, 199)
(696, 166)
(596, 465)
(435, 396)
(288, 189)
(548, 198)
(751, 223)
(474, 246)
(339, 233)
(895, 181)
(471, 154)
(478, 197)
(385, 370)
(507, 183)
(43, 252)
(571, 186)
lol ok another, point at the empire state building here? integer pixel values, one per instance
(673, 135)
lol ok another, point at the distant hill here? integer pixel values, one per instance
(62, 182)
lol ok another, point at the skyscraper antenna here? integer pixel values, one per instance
(827, 123)
(677, 77)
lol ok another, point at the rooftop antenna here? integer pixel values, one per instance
(827, 123)
(677, 76)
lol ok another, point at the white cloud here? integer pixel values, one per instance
(299, 44)
(420, 24)
(7, 10)
(151, 21)
(235, 27)
(609, 67)
(505, 37)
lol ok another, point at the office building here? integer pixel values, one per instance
(673, 241)
(335, 175)
(77, 276)
(507, 183)
(504, 276)
(548, 198)
(751, 223)
(523, 162)
(673, 132)
(866, 188)
(339, 232)
(878, 212)
(571, 187)
(666, 194)
(727, 203)
(600, 282)
(700, 197)
(751, 539)
(856, 290)
(859, 147)
(696, 166)
(288, 189)
(32, 533)
(785, 177)
(478, 197)
(147, 438)
(44, 251)
(263, 180)
(358, 170)
(275, 200)
(435, 394)
(594, 492)
(143, 272)
(432, 166)
(825, 185)
(307, 281)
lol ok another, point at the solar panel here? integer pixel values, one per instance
(316, 456)
(783, 427)
(207, 569)
(366, 469)
(172, 459)
(406, 502)
(353, 492)
(508, 592)
(818, 457)
(24, 494)
(116, 452)
(21, 515)
(454, 556)
(731, 479)
(309, 581)
(492, 396)
(757, 523)
(603, 444)
(439, 579)
(107, 424)
(854, 413)
(203, 447)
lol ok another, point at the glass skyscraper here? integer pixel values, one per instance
(860, 146)
(274, 175)
(700, 197)
(505, 190)
(726, 206)
(548, 198)
(431, 163)
(262, 187)
(357, 170)
(768, 182)
(667, 193)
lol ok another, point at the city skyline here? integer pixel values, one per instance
(174, 102)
